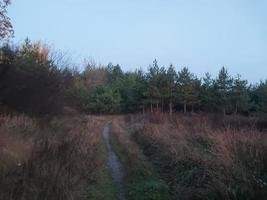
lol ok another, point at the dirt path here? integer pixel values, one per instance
(114, 165)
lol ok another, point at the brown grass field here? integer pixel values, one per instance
(173, 157)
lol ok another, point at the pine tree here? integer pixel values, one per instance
(171, 81)
(223, 86)
(187, 88)
(153, 85)
(163, 87)
(240, 95)
(259, 97)
(207, 93)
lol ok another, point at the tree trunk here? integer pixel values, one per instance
(192, 108)
(162, 105)
(143, 109)
(236, 108)
(184, 107)
(170, 107)
(151, 107)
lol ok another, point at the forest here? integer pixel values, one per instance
(98, 132)
(35, 80)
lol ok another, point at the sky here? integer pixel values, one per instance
(203, 35)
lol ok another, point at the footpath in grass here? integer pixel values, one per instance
(141, 180)
(115, 166)
(101, 186)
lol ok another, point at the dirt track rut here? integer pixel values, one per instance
(114, 165)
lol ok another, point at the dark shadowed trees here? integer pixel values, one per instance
(31, 83)
(133, 92)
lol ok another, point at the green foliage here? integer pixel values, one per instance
(153, 77)
(208, 94)
(133, 92)
(79, 94)
(187, 85)
(171, 78)
(104, 100)
(223, 85)
(259, 97)
(240, 95)
(32, 82)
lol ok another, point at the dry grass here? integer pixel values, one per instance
(133, 154)
(200, 157)
(142, 181)
(204, 158)
(14, 147)
(48, 160)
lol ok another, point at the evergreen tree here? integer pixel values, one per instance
(171, 86)
(153, 85)
(207, 93)
(133, 92)
(115, 76)
(163, 87)
(104, 100)
(240, 95)
(223, 86)
(259, 97)
(187, 88)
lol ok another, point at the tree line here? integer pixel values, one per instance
(162, 89)
(33, 80)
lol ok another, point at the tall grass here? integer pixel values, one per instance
(206, 158)
(50, 160)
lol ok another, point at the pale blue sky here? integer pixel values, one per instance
(201, 34)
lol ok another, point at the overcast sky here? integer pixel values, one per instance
(201, 34)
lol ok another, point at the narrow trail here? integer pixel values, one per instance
(114, 165)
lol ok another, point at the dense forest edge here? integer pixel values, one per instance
(35, 80)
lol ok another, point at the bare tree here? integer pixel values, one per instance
(6, 29)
